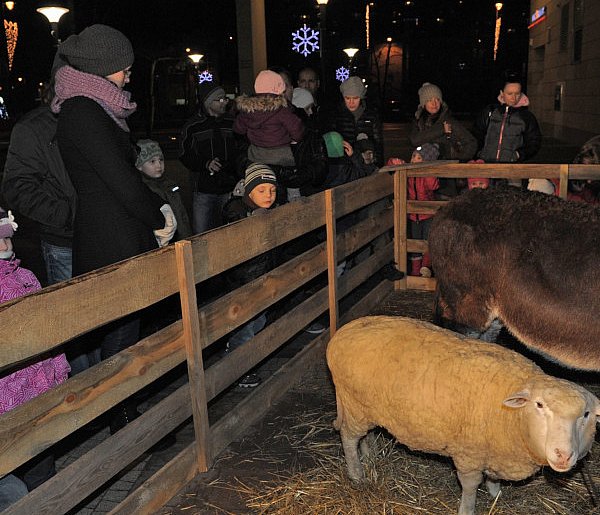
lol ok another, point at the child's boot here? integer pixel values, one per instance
(415, 265)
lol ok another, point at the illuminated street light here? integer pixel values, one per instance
(497, 31)
(196, 58)
(9, 5)
(53, 14)
(350, 52)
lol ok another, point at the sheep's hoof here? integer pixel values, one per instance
(358, 484)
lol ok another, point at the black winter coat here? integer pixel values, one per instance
(170, 193)
(236, 209)
(460, 144)
(342, 120)
(35, 181)
(116, 213)
(202, 139)
(507, 134)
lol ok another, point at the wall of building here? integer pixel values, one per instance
(564, 89)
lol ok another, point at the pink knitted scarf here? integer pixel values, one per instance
(74, 83)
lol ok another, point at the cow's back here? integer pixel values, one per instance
(530, 259)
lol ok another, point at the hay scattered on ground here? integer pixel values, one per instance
(399, 481)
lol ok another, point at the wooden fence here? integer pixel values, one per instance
(452, 169)
(47, 320)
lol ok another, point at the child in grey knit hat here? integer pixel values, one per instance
(151, 162)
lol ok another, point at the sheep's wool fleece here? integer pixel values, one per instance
(436, 391)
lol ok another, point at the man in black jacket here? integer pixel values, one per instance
(214, 154)
(36, 184)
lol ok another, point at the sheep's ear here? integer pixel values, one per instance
(517, 400)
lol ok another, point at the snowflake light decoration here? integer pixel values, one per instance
(306, 40)
(342, 74)
(205, 76)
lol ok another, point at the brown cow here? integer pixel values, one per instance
(528, 260)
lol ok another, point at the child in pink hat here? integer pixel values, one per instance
(268, 122)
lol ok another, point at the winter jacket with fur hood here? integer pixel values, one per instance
(267, 121)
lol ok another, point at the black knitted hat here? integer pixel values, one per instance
(98, 49)
(207, 92)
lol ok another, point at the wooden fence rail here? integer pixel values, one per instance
(48, 320)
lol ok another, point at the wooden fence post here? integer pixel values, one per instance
(400, 226)
(331, 261)
(193, 346)
(564, 181)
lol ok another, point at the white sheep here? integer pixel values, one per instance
(491, 410)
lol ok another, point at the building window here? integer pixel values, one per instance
(563, 40)
(577, 30)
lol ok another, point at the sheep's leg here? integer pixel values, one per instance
(469, 482)
(366, 444)
(493, 487)
(350, 445)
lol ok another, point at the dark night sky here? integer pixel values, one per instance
(167, 27)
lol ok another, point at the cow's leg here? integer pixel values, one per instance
(469, 482)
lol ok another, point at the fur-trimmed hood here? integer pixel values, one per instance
(262, 102)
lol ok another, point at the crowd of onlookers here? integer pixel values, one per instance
(98, 199)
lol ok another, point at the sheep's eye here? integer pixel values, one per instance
(586, 414)
(539, 404)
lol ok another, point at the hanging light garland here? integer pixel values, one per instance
(11, 29)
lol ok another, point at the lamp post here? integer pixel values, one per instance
(322, 32)
(53, 14)
(498, 6)
(385, 72)
(350, 52)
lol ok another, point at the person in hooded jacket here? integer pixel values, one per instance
(268, 122)
(214, 155)
(508, 132)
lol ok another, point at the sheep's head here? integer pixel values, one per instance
(559, 420)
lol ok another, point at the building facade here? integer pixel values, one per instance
(564, 68)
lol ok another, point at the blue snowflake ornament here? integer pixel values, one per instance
(306, 40)
(205, 76)
(342, 74)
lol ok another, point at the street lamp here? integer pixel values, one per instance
(350, 52)
(53, 14)
(498, 6)
(196, 58)
(322, 32)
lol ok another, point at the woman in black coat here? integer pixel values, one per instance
(353, 116)
(117, 216)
